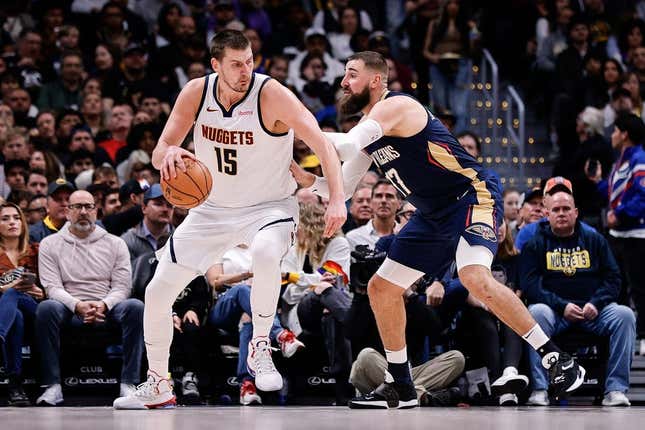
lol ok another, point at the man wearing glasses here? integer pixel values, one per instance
(86, 274)
(58, 193)
(36, 209)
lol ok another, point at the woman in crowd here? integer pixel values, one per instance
(316, 296)
(20, 294)
(511, 197)
(447, 48)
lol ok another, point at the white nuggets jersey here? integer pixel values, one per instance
(249, 164)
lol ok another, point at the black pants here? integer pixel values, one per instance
(629, 256)
(185, 347)
(488, 339)
(329, 325)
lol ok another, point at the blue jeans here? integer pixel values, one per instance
(614, 320)
(14, 306)
(51, 315)
(226, 314)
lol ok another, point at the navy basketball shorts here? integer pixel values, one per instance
(427, 245)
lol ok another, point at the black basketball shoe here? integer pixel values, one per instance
(393, 395)
(564, 373)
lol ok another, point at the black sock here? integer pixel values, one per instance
(548, 348)
(400, 372)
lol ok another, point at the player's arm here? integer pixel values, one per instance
(286, 108)
(353, 171)
(384, 118)
(167, 154)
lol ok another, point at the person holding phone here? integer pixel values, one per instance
(19, 294)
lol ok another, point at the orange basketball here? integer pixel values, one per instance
(190, 188)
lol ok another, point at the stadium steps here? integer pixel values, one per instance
(501, 153)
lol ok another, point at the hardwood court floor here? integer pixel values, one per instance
(323, 418)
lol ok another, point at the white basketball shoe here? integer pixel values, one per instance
(260, 365)
(155, 393)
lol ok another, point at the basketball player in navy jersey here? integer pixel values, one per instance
(459, 208)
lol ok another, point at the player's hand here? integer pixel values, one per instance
(573, 313)
(335, 217)
(303, 178)
(173, 160)
(191, 317)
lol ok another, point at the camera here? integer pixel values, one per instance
(365, 263)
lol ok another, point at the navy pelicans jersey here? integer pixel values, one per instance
(248, 163)
(434, 172)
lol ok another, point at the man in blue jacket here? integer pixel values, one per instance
(570, 278)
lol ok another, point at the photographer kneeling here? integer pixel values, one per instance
(431, 377)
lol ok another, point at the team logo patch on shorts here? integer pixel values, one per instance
(483, 230)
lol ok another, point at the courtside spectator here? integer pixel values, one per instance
(385, 203)
(144, 238)
(58, 193)
(87, 276)
(19, 294)
(571, 279)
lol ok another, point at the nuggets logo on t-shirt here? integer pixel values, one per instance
(568, 261)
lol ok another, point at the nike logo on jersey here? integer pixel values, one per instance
(210, 109)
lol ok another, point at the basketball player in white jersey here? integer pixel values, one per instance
(244, 125)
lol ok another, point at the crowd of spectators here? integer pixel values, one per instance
(87, 85)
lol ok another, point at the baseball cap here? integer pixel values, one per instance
(530, 195)
(378, 36)
(58, 184)
(132, 48)
(154, 192)
(129, 187)
(315, 31)
(556, 184)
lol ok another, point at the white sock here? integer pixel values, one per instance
(536, 337)
(400, 356)
(267, 249)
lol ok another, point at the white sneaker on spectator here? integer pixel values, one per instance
(538, 398)
(508, 399)
(615, 398)
(289, 344)
(248, 394)
(53, 396)
(155, 393)
(510, 382)
(126, 390)
(261, 367)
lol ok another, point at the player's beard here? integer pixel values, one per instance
(353, 103)
(237, 86)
